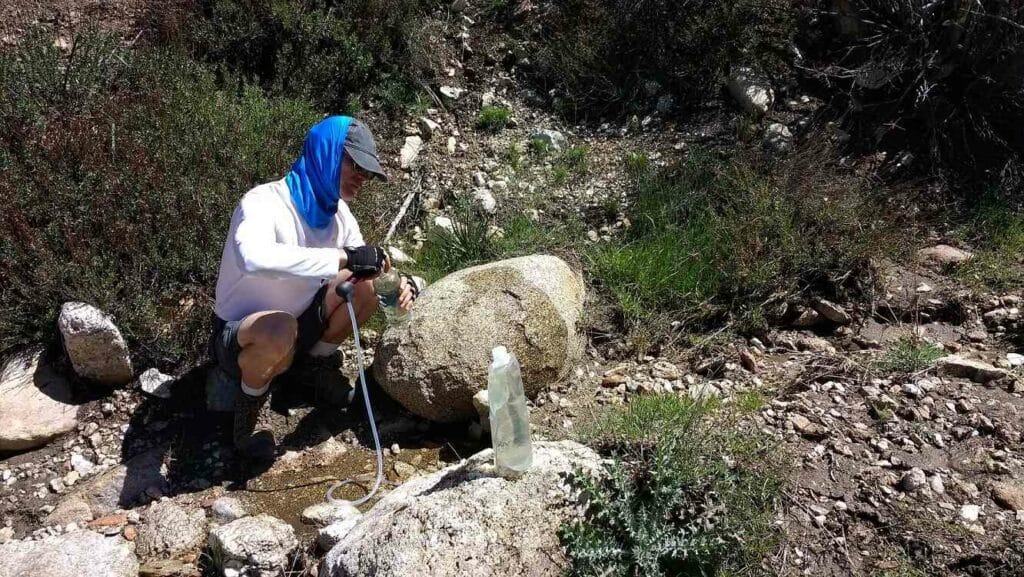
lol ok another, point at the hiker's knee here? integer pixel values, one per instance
(273, 333)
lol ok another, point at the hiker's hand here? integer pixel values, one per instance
(406, 296)
(365, 261)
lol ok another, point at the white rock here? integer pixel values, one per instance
(94, 344)
(410, 150)
(552, 139)
(450, 145)
(73, 554)
(1014, 360)
(330, 535)
(750, 92)
(483, 409)
(452, 92)
(486, 200)
(398, 256)
(81, 465)
(913, 480)
(978, 371)
(156, 384)
(941, 256)
(35, 403)
(445, 223)
(970, 513)
(227, 509)
(168, 529)
(255, 546)
(479, 179)
(466, 520)
(428, 127)
(777, 137)
(323, 514)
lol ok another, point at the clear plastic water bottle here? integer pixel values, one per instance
(510, 419)
(388, 287)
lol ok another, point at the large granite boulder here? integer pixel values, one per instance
(35, 403)
(435, 362)
(259, 546)
(70, 555)
(467, 520)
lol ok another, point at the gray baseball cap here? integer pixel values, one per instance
(360, 146)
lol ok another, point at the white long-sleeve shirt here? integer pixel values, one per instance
(274, 261)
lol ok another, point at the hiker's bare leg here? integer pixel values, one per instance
(339, 324)
(268, 346)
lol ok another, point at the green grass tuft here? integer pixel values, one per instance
(493, 118)
(910, 356)
(999, 264)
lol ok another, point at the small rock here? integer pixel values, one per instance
(450, 145)
(750, 91)
(937, 485)
(227, 509)
(806, 427)
(778, 138)
(428, 127)
(404, 470)
(445, 223)
(6, 534)
(1008, 496)
(255, 546)
(168, 528)
(483, 409)
(942, 256)
(807, 319)
(832, 312)
(452, 92)
(398, 256)
(94, 344)
(747, 361)
(35, 403)
(815, 345)
(324, 514)
(332, 534)
(666, 370)
(969, 513)
(552, 139)
(913, 480)
(1015, 360)
(156, 384)
(977, 371)
(485, 200)
(410, 150)
(81, 465)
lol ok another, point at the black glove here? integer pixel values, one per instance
(364, 261)
(413, 285)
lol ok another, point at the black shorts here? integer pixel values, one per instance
(224, 347)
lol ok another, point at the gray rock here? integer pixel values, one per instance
(70, 555)
(977, 371)
(410, 151)
(168, 529)
(452, 92)
(323, 514)
(73, 509)
(832, 312)
(778, 138)
(121, 486)
(227, 509)
(807, 318)
(1008, 495)
(35, 403)
(552, 139)
(750, 91)
(332, 534)
(942, 256)
(94, 344)
(485, 200)
(483, 409)
(428, 127)
(531, 305)
(156, 384)
(467, 520)
(913, 480)
(257, 546)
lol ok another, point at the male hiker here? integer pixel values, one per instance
(291, 242)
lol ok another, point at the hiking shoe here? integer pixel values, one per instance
(253, 445)
(323, 375)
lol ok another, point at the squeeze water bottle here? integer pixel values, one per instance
(388, 287)
(510, 420)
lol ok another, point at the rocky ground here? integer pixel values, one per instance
(888, 465)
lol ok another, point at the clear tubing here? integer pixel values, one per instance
(369, 415)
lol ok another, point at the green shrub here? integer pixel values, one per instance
(493, 118)
(909, 356)
(119, 185)
(998, 231)
(622, 54)
(334, 53)
(688, 493)
(727, 234)
(942, 80)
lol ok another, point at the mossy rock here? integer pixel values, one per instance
(434, 363)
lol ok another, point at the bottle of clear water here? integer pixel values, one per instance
(388, 287)
(510, 419)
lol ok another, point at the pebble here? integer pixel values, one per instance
(913, 480)
(969, 513)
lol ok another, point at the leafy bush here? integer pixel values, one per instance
(686, 494)
(622, 54)
(942, 80)
(493, 118)
(121, 170)
(335, 53)
(731, 233)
